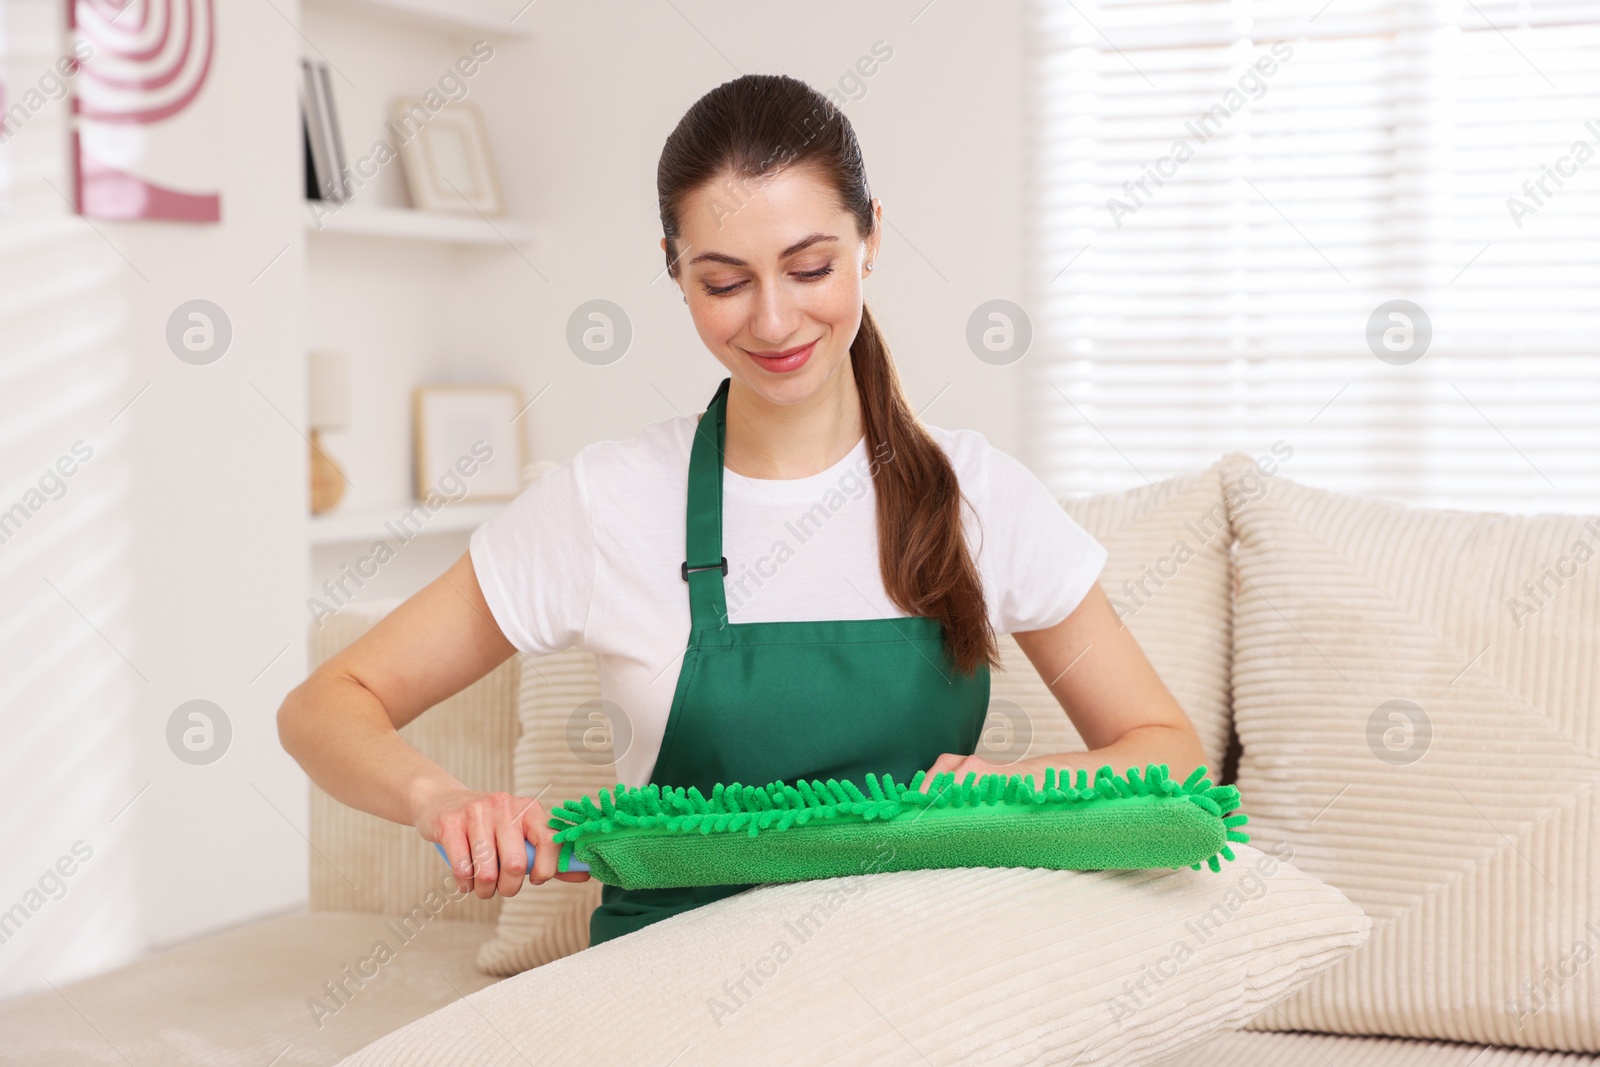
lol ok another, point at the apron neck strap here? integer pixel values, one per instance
(706, 565)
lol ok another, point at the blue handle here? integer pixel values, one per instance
(573, 865)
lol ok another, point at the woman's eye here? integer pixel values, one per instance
(808, 275)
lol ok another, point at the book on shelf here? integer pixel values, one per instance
(313, 192)
(326, 173)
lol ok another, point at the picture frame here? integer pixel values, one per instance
(466, 434)
(446, 158)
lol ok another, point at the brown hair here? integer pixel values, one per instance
(749, 129)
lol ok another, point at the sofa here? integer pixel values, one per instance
(1408, 700)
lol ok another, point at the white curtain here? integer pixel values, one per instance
(1229, 196)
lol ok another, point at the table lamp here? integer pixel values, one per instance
(328, 382)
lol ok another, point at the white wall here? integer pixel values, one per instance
(183, 542)
(578, 129)
(170, 569)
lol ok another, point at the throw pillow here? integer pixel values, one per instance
(971, 965)
(1417, 694)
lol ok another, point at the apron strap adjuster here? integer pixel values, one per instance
(705, 567)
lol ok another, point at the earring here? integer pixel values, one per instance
(869, 266)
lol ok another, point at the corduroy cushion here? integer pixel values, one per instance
(1167, 573)
(1417, 693)
(998, 966)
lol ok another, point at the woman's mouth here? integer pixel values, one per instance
(788, 360)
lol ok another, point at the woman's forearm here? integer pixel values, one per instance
(1180, 750)
(337, 730)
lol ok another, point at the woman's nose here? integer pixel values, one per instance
(775, 316)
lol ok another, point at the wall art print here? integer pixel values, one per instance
(146, 134)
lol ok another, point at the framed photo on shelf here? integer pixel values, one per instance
(446, 158)
(465, 438)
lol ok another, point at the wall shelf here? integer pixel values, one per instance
(398, 223)
(373, 524)
(439, 16)
(380, 277)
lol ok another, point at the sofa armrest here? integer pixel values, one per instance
(360, 862)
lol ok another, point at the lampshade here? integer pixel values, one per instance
(328, 382)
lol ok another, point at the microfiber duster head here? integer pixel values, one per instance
(645, 837)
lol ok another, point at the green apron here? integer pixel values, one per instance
(768, 701)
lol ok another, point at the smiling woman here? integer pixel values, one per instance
(776, 288)
(869, 652)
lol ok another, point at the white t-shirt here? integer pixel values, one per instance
(591, 554)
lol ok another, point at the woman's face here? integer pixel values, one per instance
(772, 268)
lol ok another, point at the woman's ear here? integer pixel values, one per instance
(875, 239)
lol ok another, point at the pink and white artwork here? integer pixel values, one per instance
(146, 132)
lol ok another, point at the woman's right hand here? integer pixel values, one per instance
(483, 833)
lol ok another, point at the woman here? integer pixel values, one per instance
(754, 616)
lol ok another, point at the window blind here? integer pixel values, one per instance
(1229, 196)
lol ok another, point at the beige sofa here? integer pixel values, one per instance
(310, 987)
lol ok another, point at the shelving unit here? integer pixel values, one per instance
(383, 280)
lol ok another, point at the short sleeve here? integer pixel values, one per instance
(535, 562)
(1043, 562)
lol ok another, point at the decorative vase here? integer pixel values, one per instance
(327, 480)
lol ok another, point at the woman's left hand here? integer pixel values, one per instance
(961, 766)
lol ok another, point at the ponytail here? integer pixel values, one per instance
(926, 567)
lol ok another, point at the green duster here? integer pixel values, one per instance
(644, 837)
